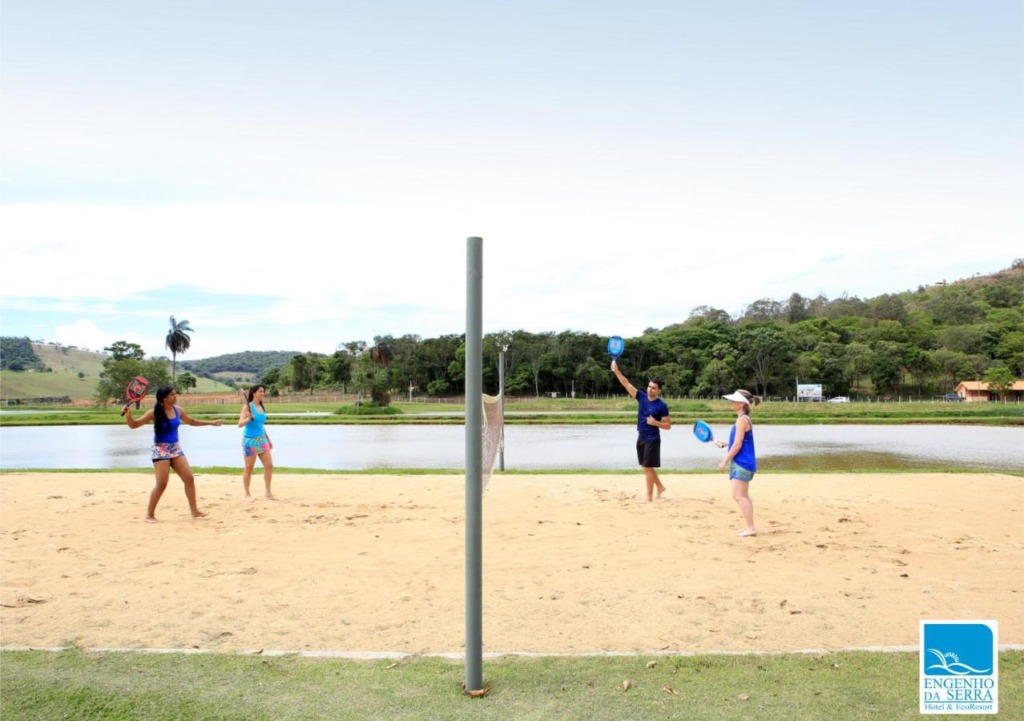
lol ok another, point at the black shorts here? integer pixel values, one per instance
(648, 453)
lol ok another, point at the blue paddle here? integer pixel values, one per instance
(703, 432)
(615, 346)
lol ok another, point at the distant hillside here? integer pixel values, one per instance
(914, 342)
(16, 354)
(247, 365)
(67, 373)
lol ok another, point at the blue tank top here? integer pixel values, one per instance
(747, 457)
(254, 428)
(169, 433)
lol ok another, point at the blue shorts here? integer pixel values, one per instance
(255, 446)
(738, 473)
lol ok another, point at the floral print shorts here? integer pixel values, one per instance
(166, 451)
(256, 446)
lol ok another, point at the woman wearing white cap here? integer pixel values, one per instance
(741, 458)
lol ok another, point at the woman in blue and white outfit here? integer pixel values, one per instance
(741, 458)
(166, 417)
(255, 441)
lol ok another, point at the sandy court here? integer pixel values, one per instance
(572, 563)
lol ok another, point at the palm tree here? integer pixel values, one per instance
(382, 355)
(177, 342)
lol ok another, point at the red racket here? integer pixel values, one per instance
(135, 392)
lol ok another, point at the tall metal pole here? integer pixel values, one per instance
(501, 400)
(474, 464)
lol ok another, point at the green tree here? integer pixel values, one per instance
(889, 330)
(888, 307)
(807, 334)
(884, 367)
(123, 349)
(920, 364)
(999, 380)
(536, 349)
(118, 371)
(186, 382)
(271, 378)
(177, 341)
(17, 354)
(834, 367)
(710, 314)
(438, 354)
(381, 355)
(796, 308)
(1011, 350)
(807, 367)
(456, 371)
(1004, 294)
(765, 353)
(857, 357)
(337, 369)
(717, 378)
(963, 338)
(952, 367)
(764, 310)
(593, 377)
(678, 380)
(437, 387)
(303, 369)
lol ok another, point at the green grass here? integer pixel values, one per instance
(157, 687)
(614, 411)
(27, 384)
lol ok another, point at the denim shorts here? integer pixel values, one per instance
(738, 473)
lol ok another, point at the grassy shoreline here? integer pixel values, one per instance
(844, 686)
(613, 411)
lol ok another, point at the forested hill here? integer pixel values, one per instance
(253, 361)
(919, 342)
(17, 354)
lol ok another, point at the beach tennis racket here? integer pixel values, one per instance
(703, 432)
(135, 392)
(615, 346)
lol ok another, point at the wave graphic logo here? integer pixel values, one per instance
(955, 668)
(958, 667)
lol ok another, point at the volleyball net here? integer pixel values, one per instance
(491, 440)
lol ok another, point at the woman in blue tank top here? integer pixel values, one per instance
(166, 417)
(255, 441)
(741, 458)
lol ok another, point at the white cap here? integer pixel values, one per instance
(738, 397)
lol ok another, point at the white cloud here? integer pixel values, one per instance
(279, 276)
(85, 334)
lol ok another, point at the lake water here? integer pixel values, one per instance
(791, 448)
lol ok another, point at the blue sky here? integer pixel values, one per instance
(292, 176)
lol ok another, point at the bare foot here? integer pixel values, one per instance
(151, 519)
(661, 489)
(198, 514)
(271, 497)
(746, 532)
(250, 499)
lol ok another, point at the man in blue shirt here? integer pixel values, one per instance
(652, 418)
